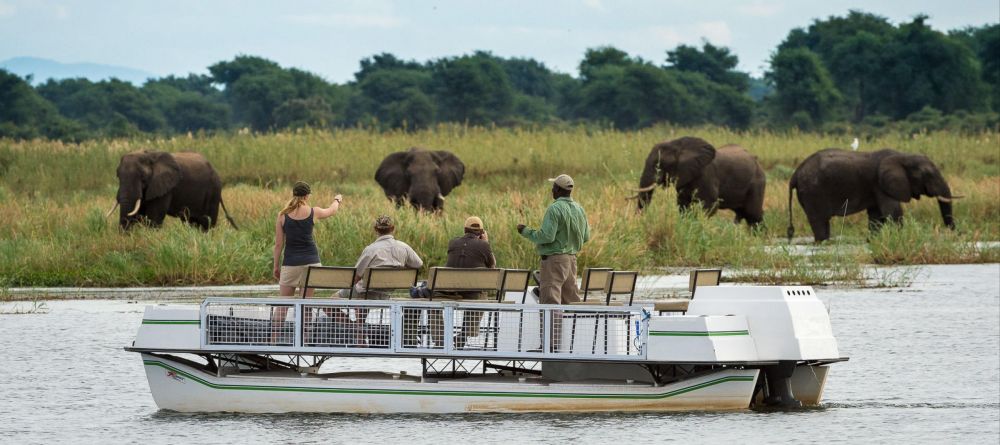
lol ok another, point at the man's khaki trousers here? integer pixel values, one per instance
(558, 280)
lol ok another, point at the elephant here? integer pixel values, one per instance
(835, 182)
(727, 178)
(154, 184)
(421, 176)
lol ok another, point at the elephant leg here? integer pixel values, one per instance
(156, 211)
(875, 219)
(684, 199)
(821, 227)
(753, 207)
(890, 210)
(752, 218)
(709, 200)
(203, 222)
(212, 218)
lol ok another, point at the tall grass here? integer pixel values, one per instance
(53, 197)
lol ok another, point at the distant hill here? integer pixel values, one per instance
(44, 69)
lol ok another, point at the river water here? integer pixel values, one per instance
(924, 368)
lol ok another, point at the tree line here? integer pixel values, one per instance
(840, 73)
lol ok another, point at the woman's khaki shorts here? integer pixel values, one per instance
(294, 276)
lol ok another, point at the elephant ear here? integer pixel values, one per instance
(892, 178)
(391, 174)
(166, 174)
(450, 170)
(692, 159)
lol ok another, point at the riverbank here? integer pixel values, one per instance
(649, 287)
(56, 233)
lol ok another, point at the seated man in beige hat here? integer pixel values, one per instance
(471, 250)
(385, 251)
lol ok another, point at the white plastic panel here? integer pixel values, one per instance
(700, 339)
(169, 327)
(786, 322)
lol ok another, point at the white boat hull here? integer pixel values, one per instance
(178, 387)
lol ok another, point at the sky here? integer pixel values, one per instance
(331, 37)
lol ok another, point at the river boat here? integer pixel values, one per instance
(736, 347)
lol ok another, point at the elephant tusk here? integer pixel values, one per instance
(629, 198)
(136, 209)
(647, 188)
(112, 210)
(950, 198)
(440, 196)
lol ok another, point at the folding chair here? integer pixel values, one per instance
(594, 279)
(514, 280)
(618, 283)
(453, 279)
(329, 277)
(698, 277)
(385, 279)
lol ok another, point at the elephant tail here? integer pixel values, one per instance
(226, 212)
(791, 228)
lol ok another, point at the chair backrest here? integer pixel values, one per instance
(328, 277)
(514, 280)
(594, 279)
(621, 282)
(703, 277)
(390, 278)
(463, 279)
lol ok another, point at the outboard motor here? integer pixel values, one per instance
(778, 388)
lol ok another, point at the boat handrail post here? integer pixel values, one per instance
(448, 328)
(396, 331)
(546, 331)
(203, 323)
(299, 325)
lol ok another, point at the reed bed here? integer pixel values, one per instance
(53, 197)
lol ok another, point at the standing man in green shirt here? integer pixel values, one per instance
(563, 232)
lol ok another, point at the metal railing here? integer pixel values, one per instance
(417, 328)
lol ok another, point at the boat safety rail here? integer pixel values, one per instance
(422, 328)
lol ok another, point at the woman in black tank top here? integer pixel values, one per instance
(293, 237)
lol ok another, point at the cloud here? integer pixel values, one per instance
(716, 32)
(7, 9)
(594, 4)
(760, 8)
(346, 20)
(61, 12)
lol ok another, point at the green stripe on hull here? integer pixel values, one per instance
(171, 322)
(696, 333)
(450, 393)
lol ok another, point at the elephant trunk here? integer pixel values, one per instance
(647, 184)
(946, 213)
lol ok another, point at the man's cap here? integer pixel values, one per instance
(383, 222)
(301, 189)
(473, 222)
(564, 181)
